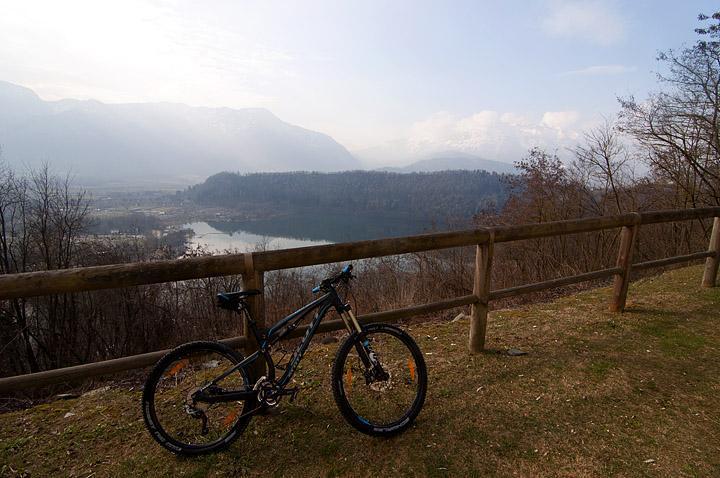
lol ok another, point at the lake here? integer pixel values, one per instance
(298, 230)
(216, 240)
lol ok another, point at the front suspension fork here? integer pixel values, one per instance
(363, 349)
(351, 322)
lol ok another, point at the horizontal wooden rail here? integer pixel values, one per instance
(674, 215)
(349, 251)
(253, 265)
(559, 228)
(32, 284)
(394, 315)
(672, 260)
(551, 284)
(90, 370)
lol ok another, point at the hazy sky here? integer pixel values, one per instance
(477, 76)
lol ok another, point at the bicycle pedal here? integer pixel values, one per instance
(292, 392)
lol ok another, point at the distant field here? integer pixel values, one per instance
(598, 394)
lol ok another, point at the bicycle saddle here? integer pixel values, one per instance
(231, 300)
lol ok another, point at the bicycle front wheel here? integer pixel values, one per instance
(379, 380)
(178, 422)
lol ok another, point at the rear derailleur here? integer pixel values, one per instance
(197, 410)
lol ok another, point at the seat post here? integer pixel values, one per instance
(253, 279)
(244, 311)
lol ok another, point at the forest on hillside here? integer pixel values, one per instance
(437, 195)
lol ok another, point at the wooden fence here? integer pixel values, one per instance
(252, 267)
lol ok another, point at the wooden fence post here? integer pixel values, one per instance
(624, 261)
(253, 279)
(481, 290)
(711, 263)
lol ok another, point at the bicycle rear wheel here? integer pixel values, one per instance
(182, 425)
(384, 399)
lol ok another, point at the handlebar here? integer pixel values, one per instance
(345, 275)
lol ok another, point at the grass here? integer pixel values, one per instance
(598, 394)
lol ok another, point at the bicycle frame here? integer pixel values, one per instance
(275, 334)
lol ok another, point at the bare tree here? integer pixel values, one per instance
(680, 126)
(14, 258)
(41, 219)
(602, 163)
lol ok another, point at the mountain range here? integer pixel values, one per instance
(103, 141)
(175, 144)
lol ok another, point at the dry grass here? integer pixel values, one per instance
(598, 395)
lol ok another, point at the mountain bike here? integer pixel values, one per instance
(201, 396)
